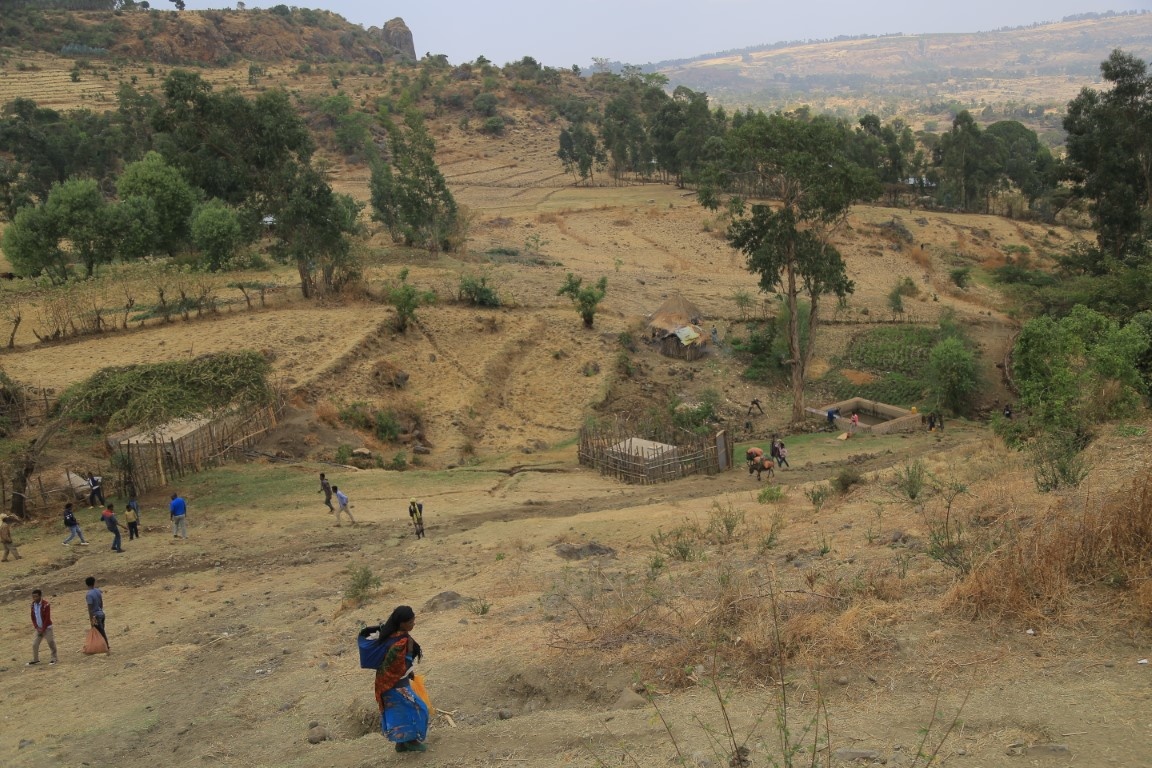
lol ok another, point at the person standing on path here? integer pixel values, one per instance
(342, 499)
(42, 623)
(113, 525)
(326, 489)
(133, 502)
(178, 511)
(133, 519)
(855, 422)
(416, 512)
(73, 526)
(782, 455)
(95, 490)
(6, 539)
(95, 601)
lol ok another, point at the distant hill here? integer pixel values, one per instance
(218, 37)
(1040, 67)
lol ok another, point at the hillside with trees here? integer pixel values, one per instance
(435, 281)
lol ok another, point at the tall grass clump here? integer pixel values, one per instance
(1091, 555)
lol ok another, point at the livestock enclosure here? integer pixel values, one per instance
(659, 456)
(153, 458)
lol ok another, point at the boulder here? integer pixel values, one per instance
(397, 35)
(445, 601)
(591, 549)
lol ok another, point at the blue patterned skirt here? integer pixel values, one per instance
(405, 716)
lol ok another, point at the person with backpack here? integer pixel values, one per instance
(95, 490)
(403, 713)
(72, 525)
(416, 512)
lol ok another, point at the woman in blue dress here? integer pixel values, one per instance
(403, 714)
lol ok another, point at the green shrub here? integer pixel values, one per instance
(361, 583)
(494, 126)
(961, 276)
(770, 494)
(846, 478)
(681, 543)
(476, 291)
(911, 479)
(386, 426)
(819, 495)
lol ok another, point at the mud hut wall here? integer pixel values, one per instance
(671, 346)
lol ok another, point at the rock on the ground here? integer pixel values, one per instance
(591, 549)
(317, 734)
(858, 755)
(446, 601)
(1048, 750)
(629, 699)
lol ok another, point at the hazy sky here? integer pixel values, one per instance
(640, 31)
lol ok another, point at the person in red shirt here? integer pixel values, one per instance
(42, 623)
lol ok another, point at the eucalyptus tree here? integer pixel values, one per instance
(802, 166)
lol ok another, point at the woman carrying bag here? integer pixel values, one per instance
(403, 711)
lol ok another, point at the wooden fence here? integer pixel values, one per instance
(156, 459)
(643, 454)
(26, 406)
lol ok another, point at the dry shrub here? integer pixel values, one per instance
(622, 222)
(328, 413)
(361, 718)
(1066, 562)
(920, 257)
(547, 217)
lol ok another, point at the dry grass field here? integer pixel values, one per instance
(228, 648)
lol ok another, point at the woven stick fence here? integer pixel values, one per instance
(154, 460)
(645, 454)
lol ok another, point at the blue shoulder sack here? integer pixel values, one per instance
(372, 650)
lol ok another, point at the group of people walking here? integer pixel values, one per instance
(177, 513)
(415, 508)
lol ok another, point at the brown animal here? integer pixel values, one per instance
(762, 464)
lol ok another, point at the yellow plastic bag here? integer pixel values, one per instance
(421, 690)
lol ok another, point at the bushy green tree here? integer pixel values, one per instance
(216, 233)
(1110, 158)
(409, 194)
(313, 226)
(953, 375)
(173, 197)
(586, 297)
(407, 298)
(32, 245)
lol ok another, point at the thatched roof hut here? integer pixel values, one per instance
(676, 326)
